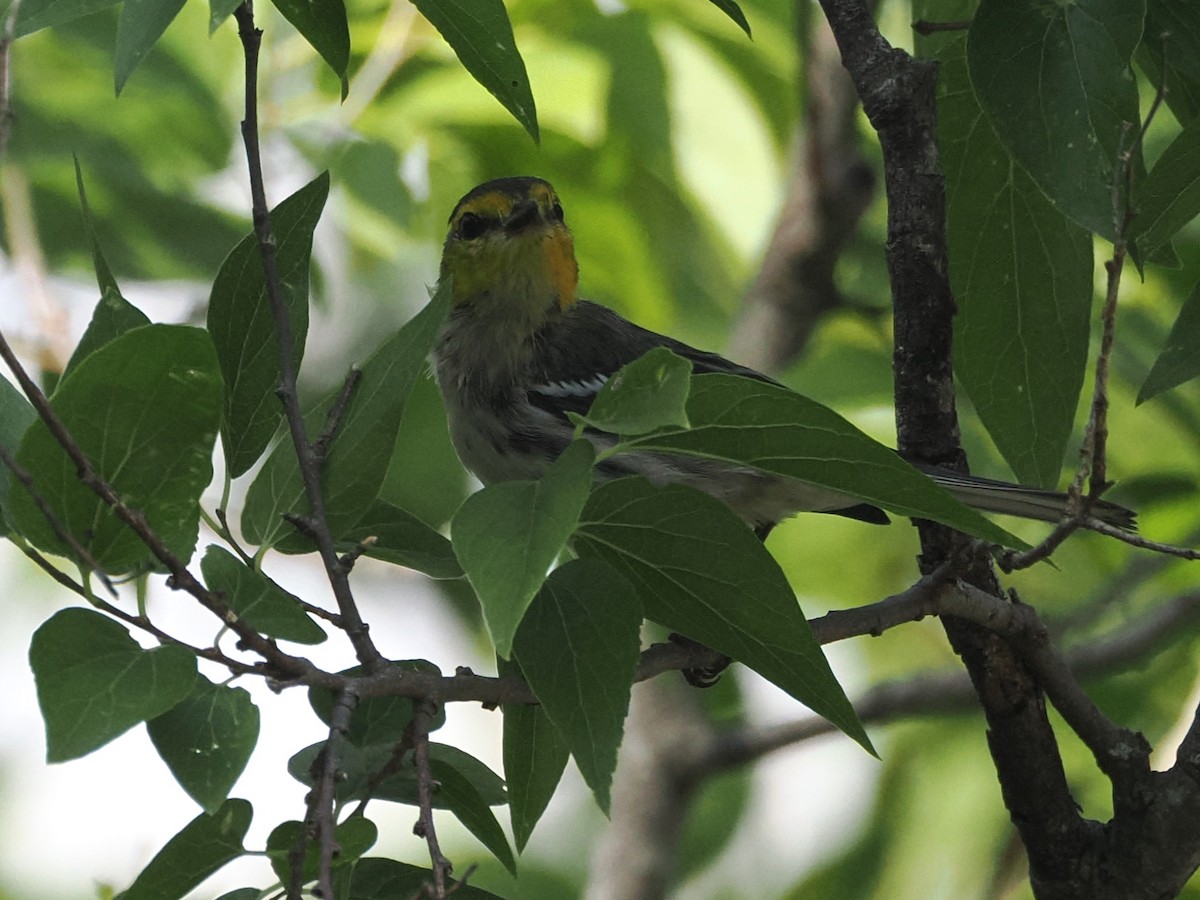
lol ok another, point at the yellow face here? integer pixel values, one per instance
(509, 250)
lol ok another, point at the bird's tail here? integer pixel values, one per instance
(990, 495)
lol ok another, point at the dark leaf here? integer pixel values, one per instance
(535, 755)
(94, 682)
(400, 538)
(1054, 80)
(700, 571)
(362, 448)
(144, 409)
(507, 536)
(578, 647)
(243, 326)
(480, 34)
(204, 845)
(264, 605)
(206, 740)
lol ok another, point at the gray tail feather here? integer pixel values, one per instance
(990, 495)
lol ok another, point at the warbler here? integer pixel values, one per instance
(520, 350)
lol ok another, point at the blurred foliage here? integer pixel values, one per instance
(667, 134)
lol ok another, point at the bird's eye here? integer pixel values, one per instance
(471, 226)
(556, 212)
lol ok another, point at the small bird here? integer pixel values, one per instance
(520, 350)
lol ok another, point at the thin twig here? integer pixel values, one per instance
(306, 455)
(333, 418)
(423, 713)
(53, 571)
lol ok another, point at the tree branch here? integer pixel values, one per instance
(306, 452)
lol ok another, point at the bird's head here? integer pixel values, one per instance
(509, 252)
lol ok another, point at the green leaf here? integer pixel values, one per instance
(94, 682)
(35, 15)
(507, 536)
(481, 36)
(352, 838)
(16, 415)
(1022, 275)
(1054, 80)
(264, 605)
(649, 393)
(362, 448)
(323, 24)
(377, 720)
(104, 276)
(400, 538)
(731, 9)
(141, 24)
(360, 766)
(535, 755)
(204, 845)
(700, 571)
(1173, 24)
(777, 430)
(578, 647)
(219, 11)
(114, 315)
(242, 894)
(385, 879)
(461, 797)
(1179, 360)
(1169, 197)
(206, 740)
(144, 409)
(243, 326)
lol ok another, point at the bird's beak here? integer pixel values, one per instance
(524, 214)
